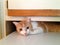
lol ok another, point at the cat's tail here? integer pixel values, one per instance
(45, 26)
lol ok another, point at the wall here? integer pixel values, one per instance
(0, 23)
(2, 17)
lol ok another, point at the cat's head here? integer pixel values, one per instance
(24, 26)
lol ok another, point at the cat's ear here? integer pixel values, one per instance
(15, 23)
(28, 19)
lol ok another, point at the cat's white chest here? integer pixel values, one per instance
(37, 31)
(34, 25)
(36, 28)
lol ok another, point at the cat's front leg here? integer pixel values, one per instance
(37, 31)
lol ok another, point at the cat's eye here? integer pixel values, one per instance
(20, 29)
(27, 27)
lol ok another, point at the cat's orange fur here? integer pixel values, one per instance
(26, 25)
(23, 24)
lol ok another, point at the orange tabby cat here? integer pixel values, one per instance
(26, 27)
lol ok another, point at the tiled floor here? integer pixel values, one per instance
(39, 39)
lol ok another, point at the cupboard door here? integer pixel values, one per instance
(33, 8)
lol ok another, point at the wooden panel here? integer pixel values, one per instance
(52, 26)
(12, 12)
(10, 27)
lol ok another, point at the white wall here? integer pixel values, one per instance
(0, 23)
(34, 4)
(1, 18)
(2, 14)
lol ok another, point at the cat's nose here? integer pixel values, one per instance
(25, 34)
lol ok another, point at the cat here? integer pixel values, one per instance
(26, 27)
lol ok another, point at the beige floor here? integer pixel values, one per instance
(39, 39)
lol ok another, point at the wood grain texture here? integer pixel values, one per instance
(10, 27)
(52, 26)
(12, 12)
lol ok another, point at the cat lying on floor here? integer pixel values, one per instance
(26, 26)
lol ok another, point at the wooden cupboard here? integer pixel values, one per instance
(33, 8)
